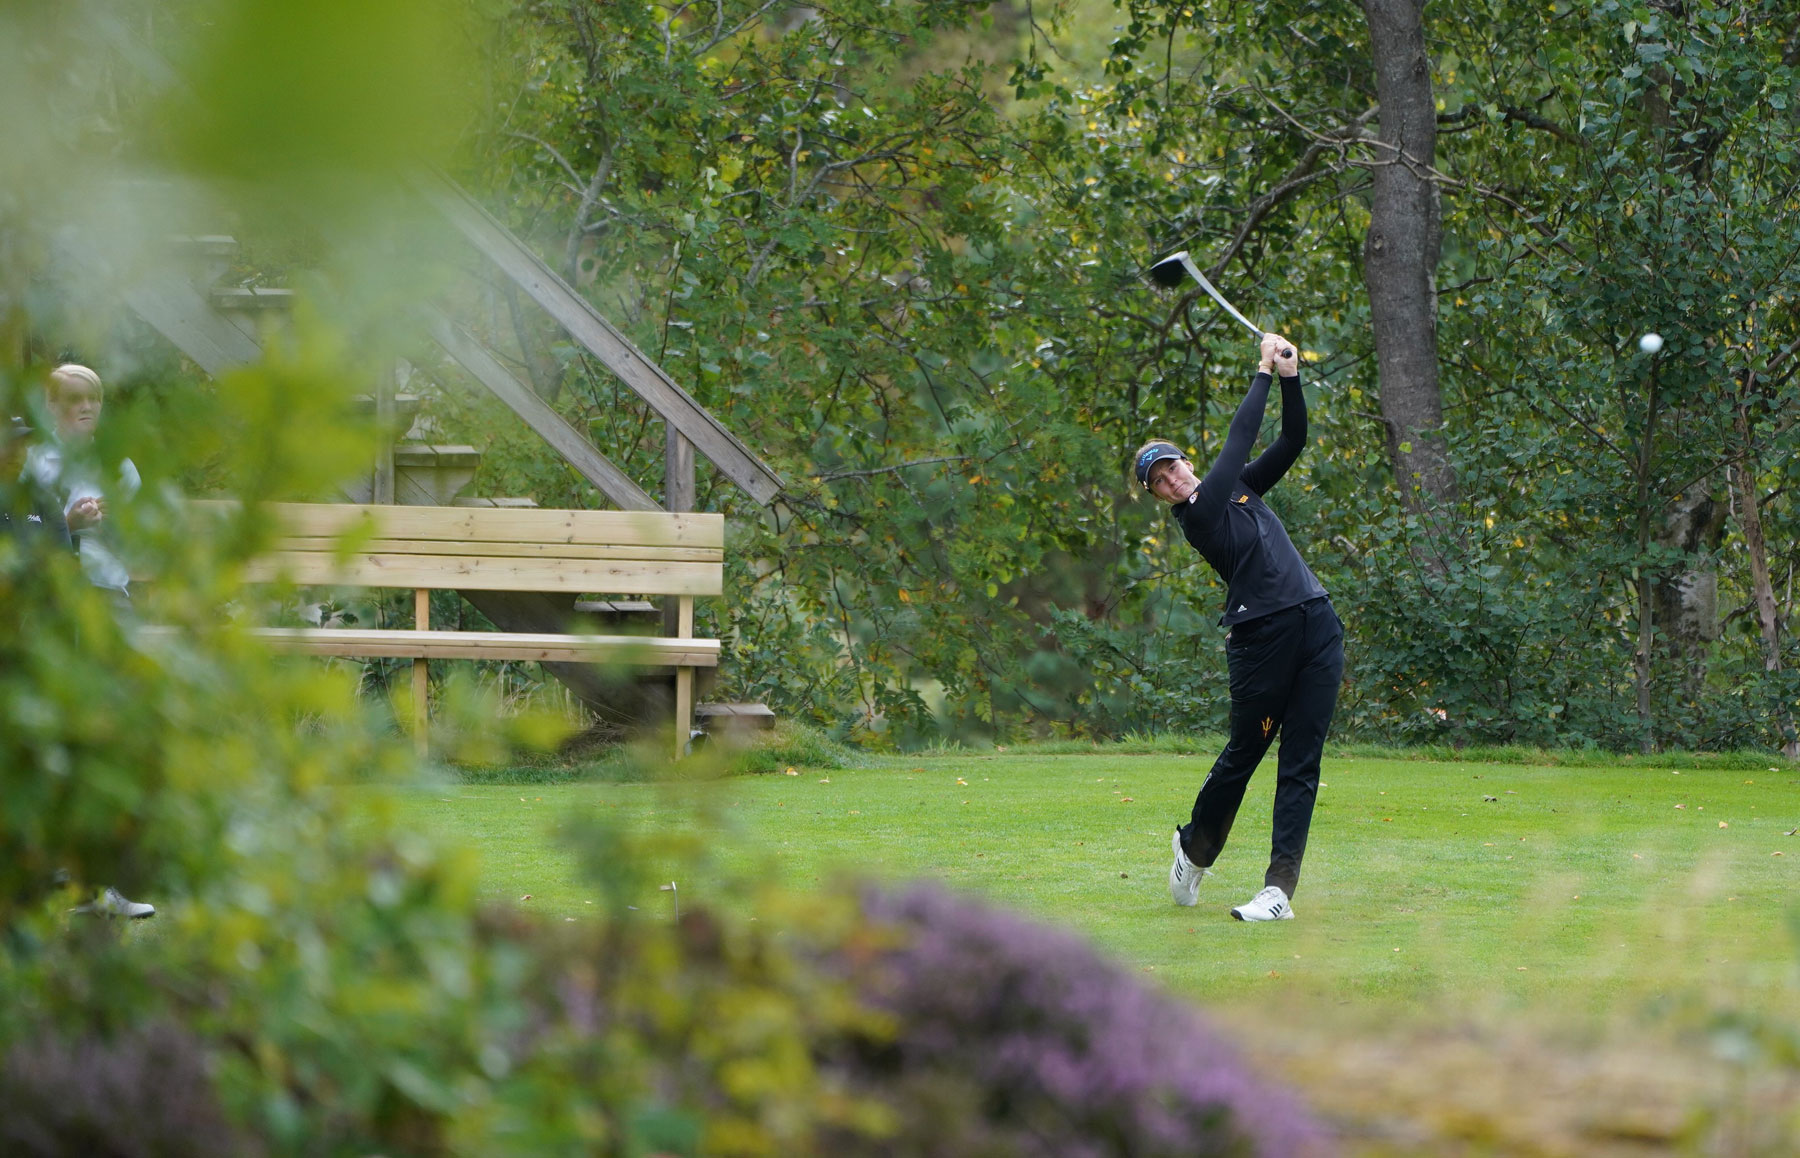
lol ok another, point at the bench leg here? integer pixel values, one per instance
(421, 711)
(684, 680)
(422, 678)
(684, 709)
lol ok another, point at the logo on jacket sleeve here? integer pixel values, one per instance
(1244, 498)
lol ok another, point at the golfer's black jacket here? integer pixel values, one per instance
(1226, 519)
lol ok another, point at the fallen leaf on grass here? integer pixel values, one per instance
(1491, 799)
(826, 780)
(1124, 800)
(793, 771)
(1777, 854)
(1722, 824)
(1681, 806)
(526, 897)
(962, 782)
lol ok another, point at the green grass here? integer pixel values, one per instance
(1578, 892)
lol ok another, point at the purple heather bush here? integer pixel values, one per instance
(144, 1093)
(1010, 1038)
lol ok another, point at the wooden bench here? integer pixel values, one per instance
(679, 556)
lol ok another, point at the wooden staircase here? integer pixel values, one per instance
(219, 326)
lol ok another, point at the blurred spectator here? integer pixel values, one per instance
(65, 466)
(60, 480)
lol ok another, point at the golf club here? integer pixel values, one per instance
(1168, 272)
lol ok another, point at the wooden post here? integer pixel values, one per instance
(382, 490)
(678, 617)
(421, 677)
(684, 680)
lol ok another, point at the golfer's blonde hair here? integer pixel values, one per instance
(73, 373)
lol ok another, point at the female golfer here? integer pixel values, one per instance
(1285, 646)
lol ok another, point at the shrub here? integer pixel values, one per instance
(1010, 1038)
(143, 1093)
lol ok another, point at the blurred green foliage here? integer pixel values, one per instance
(319, 978)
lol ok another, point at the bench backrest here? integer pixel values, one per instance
(592, 552)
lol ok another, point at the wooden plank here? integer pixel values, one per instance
(678, 495)
(382, 490)
(678, 472)
(588, 327)
(576, 576)
(652, 651)
(495, 525)
(179, 313)
(332, 545)
(552, 427)
(422, 677)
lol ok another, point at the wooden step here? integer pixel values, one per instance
(251, 299)
(617, 607)
(515, 503)
(205, 245)
(425, 475)
(406, 409)
(733, 719)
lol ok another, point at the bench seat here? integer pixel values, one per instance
(651, 650)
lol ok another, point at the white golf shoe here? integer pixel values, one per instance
(1184, 876)
(112, 903)
(1269, 905)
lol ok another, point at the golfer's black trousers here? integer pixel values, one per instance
(1285, 671)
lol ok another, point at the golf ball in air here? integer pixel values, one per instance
(1650, 343)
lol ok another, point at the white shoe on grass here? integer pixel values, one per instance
(112, 904)
(1184, 876)
(1269, 905)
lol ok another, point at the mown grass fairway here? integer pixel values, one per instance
(1583, 891)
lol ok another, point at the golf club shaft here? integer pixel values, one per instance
(1194, 271)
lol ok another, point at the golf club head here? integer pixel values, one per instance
(1170, 270)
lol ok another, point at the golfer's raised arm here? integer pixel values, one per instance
(1222, 477)
(1274, 462)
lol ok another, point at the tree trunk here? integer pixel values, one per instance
(1687, 594)
(1400, 254)
(1641, 573)
(1762, 586)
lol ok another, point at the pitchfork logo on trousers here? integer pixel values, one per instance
(1268, 725)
